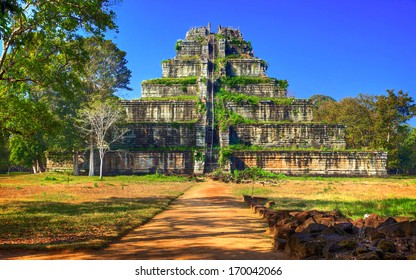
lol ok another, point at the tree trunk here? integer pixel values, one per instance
(92, 171)
(41, 165)
(76, 162)
(101, 163)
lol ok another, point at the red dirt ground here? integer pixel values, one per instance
(206, 223)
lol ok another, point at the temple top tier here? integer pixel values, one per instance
(227, 41)
(226, 32)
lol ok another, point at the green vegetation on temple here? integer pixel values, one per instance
(178, 46)
(241, 98)
(172, 98)
(234, 82)
(172, 81)
(225, 117)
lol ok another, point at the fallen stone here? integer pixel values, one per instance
(304, 224)
(411, 257)
(331, 238)
(386, 246)
(334, 230)
(368, 256)
(348, 244)
(282, 232)
(303, 246)
(280, 244)
(301, 216)
(270, 204)
(373, 220)
(292, 224)
(376, 235)
(328, 221)
(315, 228)
(359, 223)
(257, 208)
(393, 256)
(388, 221)
(361, 249)
(347, 227)
(394, 230)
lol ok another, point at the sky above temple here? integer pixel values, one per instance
(336, 48)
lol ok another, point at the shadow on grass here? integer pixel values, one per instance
(34, 224)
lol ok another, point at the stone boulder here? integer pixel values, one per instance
(330, 235)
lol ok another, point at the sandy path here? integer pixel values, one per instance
(207, 223)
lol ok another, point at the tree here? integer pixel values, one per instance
(105, 73)
(24, 23)
(392, 111)
(374, 122)
(99, 121)
(407, 152)
(42, 59)
(317, 99)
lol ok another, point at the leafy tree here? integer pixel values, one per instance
(317, 99)
(375, 122)
(407, 152)
(326, 111)
(42, 61)
(28, 147)
(105, 73)
(54, 23)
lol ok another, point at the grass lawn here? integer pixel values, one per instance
(354, 197)
(59, 211)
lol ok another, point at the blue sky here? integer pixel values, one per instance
(336, 48)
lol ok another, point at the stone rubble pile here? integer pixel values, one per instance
(329, 235)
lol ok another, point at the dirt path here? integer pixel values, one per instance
(207, 223)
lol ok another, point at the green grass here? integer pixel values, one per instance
(46, 223)
(388, 197)
(402, 207)
(43, 211)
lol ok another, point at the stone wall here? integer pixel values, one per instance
(189, 48)
(316, 163)
(160, 111)
(245, 67)
(159, 135)
(160, 90)
(289, 135)
(181, 68)
(261, 90)
(298, 111)
(145, 162)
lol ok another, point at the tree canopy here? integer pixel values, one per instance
(376, 122)
(48, 49)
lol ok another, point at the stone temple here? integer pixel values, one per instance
(214, 106)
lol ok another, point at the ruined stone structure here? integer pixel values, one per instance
(215, 107)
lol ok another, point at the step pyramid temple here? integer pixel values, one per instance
(214, 107)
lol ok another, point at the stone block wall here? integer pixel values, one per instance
(189, 48)
(289, 135)
(139, 111)
(261, 90)
(268, 111)
(317, 163)
(181, 68)
(160, 90)
(159, 135)
(245, 67)
(148, 162)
